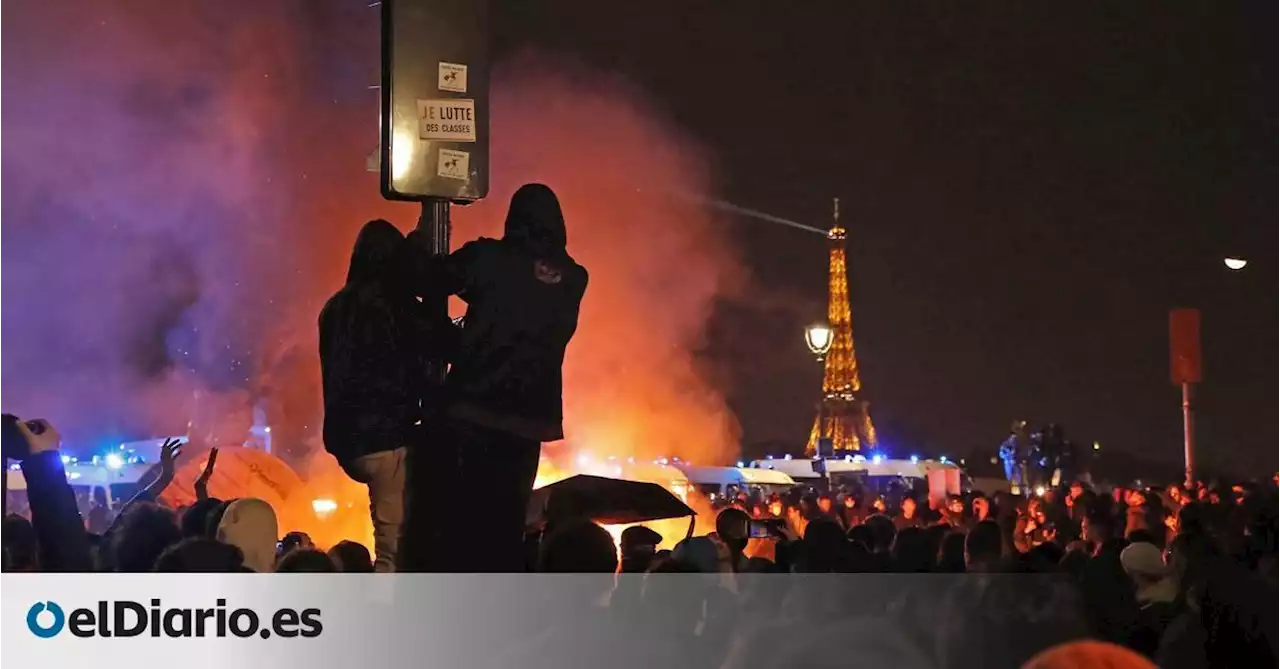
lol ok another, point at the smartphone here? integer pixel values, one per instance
(764, 528)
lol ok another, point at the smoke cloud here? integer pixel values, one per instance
(184, 180)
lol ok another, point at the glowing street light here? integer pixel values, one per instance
(1235, 264)
(819, 337)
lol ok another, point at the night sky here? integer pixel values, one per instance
(1029, 188)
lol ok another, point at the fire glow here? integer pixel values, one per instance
(210, 234)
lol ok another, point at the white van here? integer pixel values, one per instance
(726, 482)
(938, 478)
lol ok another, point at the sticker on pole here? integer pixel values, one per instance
(453, 78)
(447, 120)
(453, 164)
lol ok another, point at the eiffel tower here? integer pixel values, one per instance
(843, 415)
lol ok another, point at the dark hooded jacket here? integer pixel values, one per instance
(373, 343)
(523, 293)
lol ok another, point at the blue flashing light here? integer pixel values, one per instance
(66, 459)
(942, 459)
(914, 459)
(114, 461)
(877, 458)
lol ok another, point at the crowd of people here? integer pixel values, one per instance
(1184, 578)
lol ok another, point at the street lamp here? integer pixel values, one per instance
(818, 337)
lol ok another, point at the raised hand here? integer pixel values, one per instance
(169, 451)
(202, 482)
(40, 436)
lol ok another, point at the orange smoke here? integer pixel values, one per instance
(233, 168)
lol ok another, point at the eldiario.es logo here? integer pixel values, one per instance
(124, 618)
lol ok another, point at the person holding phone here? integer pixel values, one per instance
(60, 534)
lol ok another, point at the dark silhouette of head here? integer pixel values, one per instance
(20, 544)
(882, 533)
(983, 547)
(578, 547)
(951, 553)
(535, 221)
(732, 525)
(638, 545)
(200, 555)
(305, 560)
(351, 557)
(195, 520)
(144, 533)
(378, 256)
(911, 553)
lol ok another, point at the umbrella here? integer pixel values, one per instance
(604, 500)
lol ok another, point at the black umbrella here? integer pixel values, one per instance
(604, 500)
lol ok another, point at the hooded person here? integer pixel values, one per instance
(373, 340)
(250, 525)
(503, 395)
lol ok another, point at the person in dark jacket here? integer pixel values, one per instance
(61, 540)
(503, 395)
(373, 340)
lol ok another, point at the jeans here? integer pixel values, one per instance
(384, 473)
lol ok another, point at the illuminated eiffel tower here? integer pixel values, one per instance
(843, 416)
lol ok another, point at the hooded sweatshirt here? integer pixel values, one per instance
(523, 293)
(250, 525)
(373, 342)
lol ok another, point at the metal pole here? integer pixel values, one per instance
(416, 552)
(1188, 434)
(822, 413)
(434, 228)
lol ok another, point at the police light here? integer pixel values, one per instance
(114, 461)
(914, 459)
(66, 459)
(942, 459)
(877, 458)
